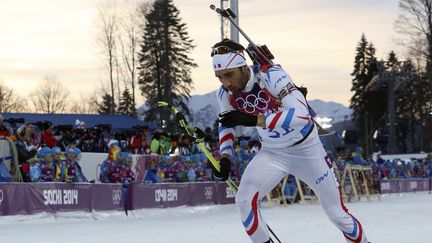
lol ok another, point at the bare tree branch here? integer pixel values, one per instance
(50, 96)
(10, 101)
(109, 30)
(85, 104)
(415, 26)
(131, 25)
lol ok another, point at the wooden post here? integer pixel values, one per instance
(360, 182)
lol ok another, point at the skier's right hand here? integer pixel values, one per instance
(225, 168)
(234, 118)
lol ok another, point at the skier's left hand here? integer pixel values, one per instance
(225, 168)
(234, 118)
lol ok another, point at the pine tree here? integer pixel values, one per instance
(415, 25)
(393, 68)
(412, 106)
(392, 62)
(106, 106)
(406, 110)
(365, 67)
(164, 63)
(358, 82)
(423, 110)
(126, 106)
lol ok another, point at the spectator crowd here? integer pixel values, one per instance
(388, 169)
(52, 154)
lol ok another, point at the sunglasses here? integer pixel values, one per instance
(221, 50)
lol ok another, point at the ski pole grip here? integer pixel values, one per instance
(231, 13)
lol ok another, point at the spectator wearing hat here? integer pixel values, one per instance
(357, 156)
(135, 143)
(35, 169)
(418, 169)
(121, 170)
(428, 169)
(379, 160)
(40, 166)
(45, 160)
(4, 131)
(58, 164)
(115, 171)
(140, 141)
(146, 136)
(25, 150)
(184, 145)
(70, 165)
(126, 172)
(155, 145)
(34, 135)
(427, 160)
(160, 143)
(427, 165)
(79, 175)
(47, 135)
(107, 167)
(191, 171)
(243, 157)
(65, 138)
(113, 143)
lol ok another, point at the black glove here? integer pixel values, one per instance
(225, 168)
(179, 116)
(302, 90)
(199, 134)
(234, 118)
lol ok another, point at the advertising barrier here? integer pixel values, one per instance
(30, 198)
(404, 185)
(179, 194)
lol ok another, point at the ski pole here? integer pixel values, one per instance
(198, 135)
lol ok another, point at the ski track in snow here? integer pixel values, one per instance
(397, 218)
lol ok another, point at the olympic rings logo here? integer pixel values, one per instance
(253, 102)
(1, 197)
(208, 192)
(116, 196)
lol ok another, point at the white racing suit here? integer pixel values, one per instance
(290, 145)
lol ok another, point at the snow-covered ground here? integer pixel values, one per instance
(401, 218)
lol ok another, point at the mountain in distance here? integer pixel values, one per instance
(336, 111)
(205, 110)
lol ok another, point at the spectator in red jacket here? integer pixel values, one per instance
(4, 131)
(135, 143)
(140, 142)
(47, 135)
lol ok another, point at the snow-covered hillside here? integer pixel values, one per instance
(205, 110)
